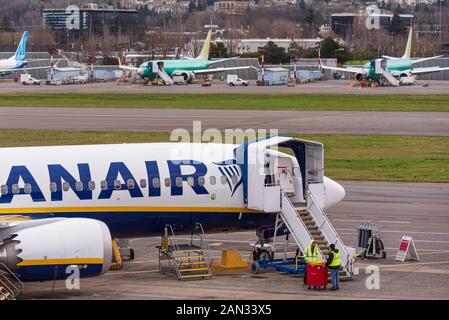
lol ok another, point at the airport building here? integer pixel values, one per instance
(344, 24)
(92, 19)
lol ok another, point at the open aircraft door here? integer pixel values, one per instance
(262, 191)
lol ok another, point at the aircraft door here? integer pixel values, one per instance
(285, 175)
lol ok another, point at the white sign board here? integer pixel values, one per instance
(407, 245)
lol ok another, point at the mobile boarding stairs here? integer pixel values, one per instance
(188, 261)
(276, 183)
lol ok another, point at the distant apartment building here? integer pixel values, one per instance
(233, 7)
(344, 24)
(92, 19)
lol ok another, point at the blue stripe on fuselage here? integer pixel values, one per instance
(145, 224)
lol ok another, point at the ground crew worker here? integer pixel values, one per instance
(310, 255)
(311, 252)
(333, 263)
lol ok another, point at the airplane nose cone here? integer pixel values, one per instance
(333, 193)
(140, 72)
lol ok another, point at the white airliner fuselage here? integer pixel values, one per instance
(133, 189)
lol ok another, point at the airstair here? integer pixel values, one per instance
(10, 285)
(158, 67)
(187, 261)
(299, 198)
(392, 80)
(311, 223)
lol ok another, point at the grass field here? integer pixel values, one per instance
(347, 157)
(232, 101)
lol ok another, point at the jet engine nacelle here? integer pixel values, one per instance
(360, 77)
(188, 75)
(50, 249)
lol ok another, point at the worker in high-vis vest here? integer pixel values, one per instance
(311, 252)
(310, 255)
(333, 263)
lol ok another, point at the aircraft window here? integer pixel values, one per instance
(143, 183)
(190, 181)
(65, 186)
(234, 179)
(4, 189)
(104, 185)
(27, 188)
(117, 184)
(91, 185)
(15, 188)
(223, 180)
(178, 181)
(201, 181)
(79, 186)
(213, 180)
(156, 183)
(53, 187)
(167, 182)
(130, 183)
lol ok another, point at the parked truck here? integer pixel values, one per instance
(27, 79)
(234, 80)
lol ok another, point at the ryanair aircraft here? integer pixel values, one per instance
(60, 206)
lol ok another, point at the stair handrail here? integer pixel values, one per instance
(5, 280)
(349, 261)
(203, 238)
(174, 253)
(302, 222)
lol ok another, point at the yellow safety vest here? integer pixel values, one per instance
(336, 260)
(309, 255)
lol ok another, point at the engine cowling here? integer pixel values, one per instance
(46, 248)
(188, 75)
(360, 77)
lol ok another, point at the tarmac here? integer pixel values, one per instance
(165, 120)
(420, 210)
(327, 87)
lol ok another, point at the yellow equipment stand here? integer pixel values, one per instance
(231, 259)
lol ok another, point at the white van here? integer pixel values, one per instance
(233, 80)
(27, 79)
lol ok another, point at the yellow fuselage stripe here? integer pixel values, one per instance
(41, 262)
(121, 209)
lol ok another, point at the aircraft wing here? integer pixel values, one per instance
(24, 69)
(126, 68)
(215, 70)
(427, 70)
(347, 69)
(222, 60)
(390, 58)
(425, 59)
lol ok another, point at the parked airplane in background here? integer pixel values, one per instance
(59, 206)
(17, 62)
(395, 71)
(188, 68)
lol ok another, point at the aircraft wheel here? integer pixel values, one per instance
(264, 255)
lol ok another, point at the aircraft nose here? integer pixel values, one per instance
(140, 72)
(333, 193)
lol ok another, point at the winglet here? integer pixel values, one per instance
(408, 49)
(204, 54)
(21, 49)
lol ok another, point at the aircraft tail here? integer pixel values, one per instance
(408, 49)
(204, 54)
(22, 48)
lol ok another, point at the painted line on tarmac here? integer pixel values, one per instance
(410, 264)
(404, 232)
(130, 272)
(110, 116)
(368, 221)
